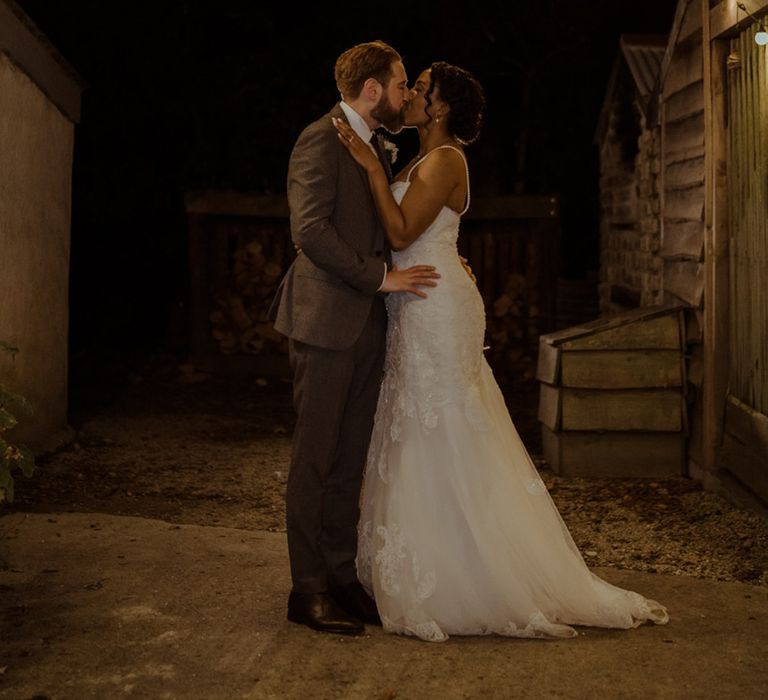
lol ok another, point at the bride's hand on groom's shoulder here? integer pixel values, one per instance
(411, 279)
(357, 148)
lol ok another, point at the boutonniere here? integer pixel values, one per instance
(389, 148)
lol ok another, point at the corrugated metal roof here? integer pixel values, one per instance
(643, 54)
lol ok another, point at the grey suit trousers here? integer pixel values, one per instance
(335, 397)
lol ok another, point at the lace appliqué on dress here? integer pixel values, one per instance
(428, 631)
(390, 559)
(423, 376)
(426, 584)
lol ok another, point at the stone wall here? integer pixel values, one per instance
(631, 268)
(647, 265)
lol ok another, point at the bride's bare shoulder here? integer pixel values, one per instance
(442, 162)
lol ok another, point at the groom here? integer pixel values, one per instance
(331, 306)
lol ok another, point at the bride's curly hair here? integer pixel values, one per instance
(464, 95)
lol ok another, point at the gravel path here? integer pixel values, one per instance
(186, 447)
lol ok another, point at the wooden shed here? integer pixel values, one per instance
(708, 113)
(39, 108)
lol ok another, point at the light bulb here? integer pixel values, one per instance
(761, 38)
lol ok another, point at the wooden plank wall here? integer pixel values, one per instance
(682, 238)
(748, 213)
(683, 196)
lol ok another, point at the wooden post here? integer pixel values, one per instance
(716, 262)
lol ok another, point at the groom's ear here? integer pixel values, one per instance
(372, 89)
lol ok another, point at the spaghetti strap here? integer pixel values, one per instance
(466, 169)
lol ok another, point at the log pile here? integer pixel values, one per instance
(239, 320)
(514, 322)
(239, 324)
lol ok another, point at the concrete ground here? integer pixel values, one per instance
(148, 559)
(105, 606)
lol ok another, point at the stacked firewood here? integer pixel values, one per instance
(240, 324)
(513, 322)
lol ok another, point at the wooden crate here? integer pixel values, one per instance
(611, 399)
(641, 329)
(561, 408)
(614, 454)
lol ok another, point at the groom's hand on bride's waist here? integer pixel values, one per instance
(411, 279)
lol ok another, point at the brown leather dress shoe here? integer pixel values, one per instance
(354, 599)
(320, 612)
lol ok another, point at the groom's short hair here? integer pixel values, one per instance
(372, 59)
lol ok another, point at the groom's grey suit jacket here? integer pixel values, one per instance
(326, 295)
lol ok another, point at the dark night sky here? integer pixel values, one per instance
(188, 94)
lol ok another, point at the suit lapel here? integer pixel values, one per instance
(339, 114)
(382, 156)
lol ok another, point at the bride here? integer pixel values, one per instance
(458, 533)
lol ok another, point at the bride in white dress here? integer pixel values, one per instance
(458, 533)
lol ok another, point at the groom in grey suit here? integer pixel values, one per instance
(330, 304)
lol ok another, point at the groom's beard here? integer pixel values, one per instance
(389, 117)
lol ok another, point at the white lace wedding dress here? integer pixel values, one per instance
(458, 533)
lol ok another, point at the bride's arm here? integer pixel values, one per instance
(429, 191)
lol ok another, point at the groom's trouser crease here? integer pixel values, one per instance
(335, 395)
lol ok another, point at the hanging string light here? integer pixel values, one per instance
(761, 38)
